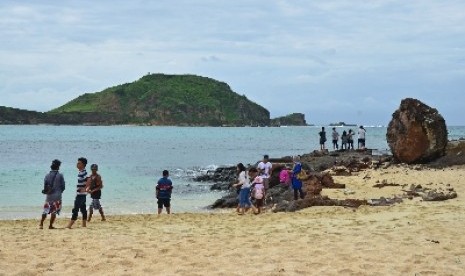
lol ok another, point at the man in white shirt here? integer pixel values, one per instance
(361, 137)
(264, 170)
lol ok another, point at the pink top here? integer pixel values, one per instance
(284, 176)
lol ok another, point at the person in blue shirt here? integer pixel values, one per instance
(296, 182)
(163, 192)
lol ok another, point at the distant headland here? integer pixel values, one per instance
(157, 99)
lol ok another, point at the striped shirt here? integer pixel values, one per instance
(82, 179)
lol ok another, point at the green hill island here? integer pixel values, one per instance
(158, 99)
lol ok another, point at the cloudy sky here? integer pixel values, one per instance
(339, 60)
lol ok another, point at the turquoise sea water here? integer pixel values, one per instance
(131, 159)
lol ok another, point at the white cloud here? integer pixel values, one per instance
(326, 56)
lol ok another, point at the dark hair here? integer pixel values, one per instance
(55, 165)
(253, 170)
(83, 160)
(241, 167)
(265, 156)
(166, 173)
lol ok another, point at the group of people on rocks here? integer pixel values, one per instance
(54, 186)
(347, 139)
(253, 184)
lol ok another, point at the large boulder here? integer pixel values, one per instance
(417, 133)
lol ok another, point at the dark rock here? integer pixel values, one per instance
(228, 201)
(221, 174)
(417, 133)
(296, 205)
(222, 186)
(455, 155)
(430, 195)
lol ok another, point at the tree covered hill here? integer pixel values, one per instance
(294, 119)
(160, 99)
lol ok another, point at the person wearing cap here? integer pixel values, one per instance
(56, 183)
(95, 186)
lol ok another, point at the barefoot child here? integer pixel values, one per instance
(95, 189)
(258, 192)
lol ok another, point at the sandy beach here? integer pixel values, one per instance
(411, 238)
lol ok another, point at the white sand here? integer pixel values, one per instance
(411, 238)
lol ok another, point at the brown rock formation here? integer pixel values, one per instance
(417, 133)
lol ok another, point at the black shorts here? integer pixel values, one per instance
(361, 141)
(163, 202)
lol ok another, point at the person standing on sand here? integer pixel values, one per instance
(335, 135)
(264, 170)
(258, 192)
(241, 179)
(244, 195)
(53, 202)
(322, 134)
(361, 137)
(163, 192)
(81, 194)
(95, 189)
(297, 183)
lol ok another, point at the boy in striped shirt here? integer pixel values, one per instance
(81, 187)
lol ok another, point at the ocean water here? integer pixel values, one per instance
(131, 159)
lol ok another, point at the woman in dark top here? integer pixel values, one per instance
(322, 134)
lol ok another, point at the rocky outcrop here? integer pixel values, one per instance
(10, 115)
(294, 119)
(455, 155)
(280, 198)
(417, 133)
